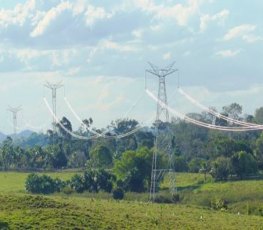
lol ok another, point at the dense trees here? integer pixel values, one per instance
(221, 168)
(134, 169)
(100, 156)
(193, 149)
(93, 180)
(243, 164)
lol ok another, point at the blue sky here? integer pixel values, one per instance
(100, 50)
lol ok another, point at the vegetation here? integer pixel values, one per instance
(134, 170)
(118, 194)
(21, 212)
(219, 179)
(193, 148)
(43, 184)
(202, 203)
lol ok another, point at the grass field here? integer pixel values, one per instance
(19, 210)
(26, 212)
(15, 181)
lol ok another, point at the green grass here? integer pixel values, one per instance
(241, 196)
(15, 181)
(25, 211)
(19, 210)
(186, 180)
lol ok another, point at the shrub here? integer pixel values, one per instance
(175, 198)
(67, 190)
(42, 184)
(221, 168)
(77, 183)
(118, 194)
(180, 164)
(195, 165)
(93, 180)
(163, 199)
(219, 204)
(244, 164)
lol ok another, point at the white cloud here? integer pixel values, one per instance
(79, 7)
(167, 56)
(250, 38)
(239, 31)
(178, 12)
(50, 16)
(18, 15)
(220, 17)
(137, 33)
(108, 44)
(94, 14)
(228, 53)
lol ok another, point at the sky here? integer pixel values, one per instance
(101, 49)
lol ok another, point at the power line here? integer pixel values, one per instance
(200, 123)
(198, 104)
(79, 119)
(119, 136)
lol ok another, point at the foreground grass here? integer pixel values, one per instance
(26, 212)
(244, 199)
(240, 196)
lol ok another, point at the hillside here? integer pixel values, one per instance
(98, 211)
(20, 212)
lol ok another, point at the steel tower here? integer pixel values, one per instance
(162, 115)
(162, 112)
(14, 111)
(54, 88)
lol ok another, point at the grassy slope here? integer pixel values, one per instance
(21, 211)
(24, 211)
(241, 196)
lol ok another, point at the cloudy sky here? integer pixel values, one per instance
(100, 50)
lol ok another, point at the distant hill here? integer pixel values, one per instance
(26, 138)
(22, 135)
(25, 134)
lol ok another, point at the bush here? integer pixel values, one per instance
(93, 180)
(175, 198)
(219, 204)
(43, 184)
(164, 198)
(67, 190)
(118, 194)
(221, 168)
(180, 164)
(77, 183)
(244, 164)
(195, 165)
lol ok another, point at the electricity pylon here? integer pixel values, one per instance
(54, 88)
(162, 112)
(14, 111)
(162, 115)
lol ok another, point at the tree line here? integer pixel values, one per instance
(193, 149)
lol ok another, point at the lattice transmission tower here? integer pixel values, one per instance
(54, 88)
(14, 111)
(161, 141)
